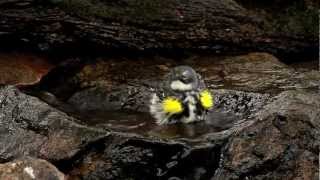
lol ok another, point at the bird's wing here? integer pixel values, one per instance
(202, 84)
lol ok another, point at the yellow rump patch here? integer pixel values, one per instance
(172, 105)
(206, 99)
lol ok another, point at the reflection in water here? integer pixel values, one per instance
(144, 124)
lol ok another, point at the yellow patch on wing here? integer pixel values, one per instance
(206, 99)
(172, 105)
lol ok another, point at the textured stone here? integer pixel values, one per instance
(282, 144)
(29, 169)
(22, 69)
(29, 126)
(215, 25)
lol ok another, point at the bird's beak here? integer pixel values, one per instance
(186, 80)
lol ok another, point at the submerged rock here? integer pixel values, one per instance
(29, 169)
(148, 159)
(118, 98)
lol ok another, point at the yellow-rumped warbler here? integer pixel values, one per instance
(181, 97)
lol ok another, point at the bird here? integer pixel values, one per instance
(182, 97)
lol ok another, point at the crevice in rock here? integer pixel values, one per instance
(202, 163)
(186, 163)
(57, 80)
(67, 165)
(5, 160)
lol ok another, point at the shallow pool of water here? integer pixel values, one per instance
(144, 124)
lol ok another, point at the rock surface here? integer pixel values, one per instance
(29, 169)
(22, 69)
(287, 28)
(282, 144)
(30, 127)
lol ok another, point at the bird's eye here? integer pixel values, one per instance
(186, 77)
(185, 74)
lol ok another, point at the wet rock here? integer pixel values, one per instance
(22, 69)
(31, 127)
(239, 102)
(282, 144)
(58, 81)
(254, 72)
(28, 169)
(139, 158)
(110, 72)
(123, 97)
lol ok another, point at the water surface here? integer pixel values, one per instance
(144, 124)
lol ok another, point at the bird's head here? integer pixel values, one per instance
(183, 78)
